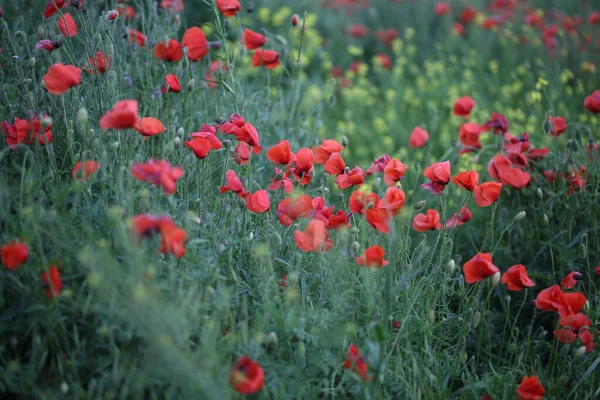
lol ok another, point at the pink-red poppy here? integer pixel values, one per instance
(172, 84)
(267, 58)
(280, 180)
(83, 170)
(516, 278)
(352, 177)
(379, 164)
(98, 64)
(439, 175)
(170, 52)
(427, 222)
(14, 254)
(48, 45)
(487, 193)
(569, 281)
(123, 115)
(479, 268)
(253, 40)
(196, 43)
(229, 8)
(234, 184)
(313, 236)
(373, 257)
(52, 281)
(258, 202)
(394, 170)
(463, 106)
(66, 25)
(467, 180)
(468, 135)
(418, 137)
(460, 218)
(294, 207)
(247, 376)
(530, 388)
(158, 172)
(60, 78)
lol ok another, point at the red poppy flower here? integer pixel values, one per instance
(112, 15)
(67, 26)
(393, 200)
(247, 376)
(172, 240)
(393, 171)
(14, 254)
(285, 182)
(171, 52)
(576, 322)
(387, 36)
(498, 123)
(487, 193)
(384, 60)
(467, 15)
(441, 8)
(253, 40)
(229, 8)
(61, 78)
(439, 174)
(338, 220)
(27, 131)
(281, 153)
(358, 31)
(553, 299)
(594, 18)
(258, 202)
(427, 222)
(202, 143)
(479, 268)
(323, 152)
(172, 5)
(321, 211)
(373, 257)
(127, 11)
(158, 172)
(234, 184)
(83, 170)
(592, 102)
(565, 335)
(570, 280)
(123, 115)
(463, 215)
(353, 177)
(137, 37)
(335, 165)
(587, 339)
(52, 7)
(172, 84)
(292, 208)
(468, 135)
(98, 64)
(359, 201)
(418, 137)
(467, 180)
(267, 58)
(149, 126)
(356, 363)
(514, 177)
(458, 29)
(379, 218)
(49, 45)
(516, 278)
(530, 389)
(379, 164)
(53, 282)
(312, 237)
(463, 106)
(248, 133)
(241, 153)
(558, 125)
(304, 166)
(196, 43)
(144, 225)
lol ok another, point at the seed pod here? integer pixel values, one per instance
(41, 32)
(476, 319)
(191, 84)
(177, 141)
(496, 279)
(520, 216)
(539, 194)
(451, 267)
(431, 317)
(420, 204)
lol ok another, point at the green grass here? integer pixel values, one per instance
(132, 322)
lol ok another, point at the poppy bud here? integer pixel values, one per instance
(539, 194)
(115, 146)
(545, 219)
(191, 84)
(564, 351)
(109, 49)
(344, 142)
(451, 266)
(295, 19)
(571, 144)
(32, 62)
(463, 356)
(563, 380)
(520, 216)
(420, 204)
(582, 250)
(476, 319)
(301, 351)
(220, 120)
(377, 182)
(586, 306)
(64, 387)
(431, 317)
(580, 351)
(82, 116)
(355, 247)
(355, 230)
(177, 141)
(227, 25)
(45, 122)
(496, 279)
(179, 132)
(512, 349)
(41, 32)
(250, 7)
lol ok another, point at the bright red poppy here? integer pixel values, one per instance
(487, 193)
(66, 25)
(553, 299)
(479, 268)
(196, 43)
(393, 200)
(137, 37)
(353, 177)
(61, 78)
(335, 165)
(294, 207)
(229, 8)
(323, 152)
(53, 282)
(516, 278)
(27, 131)
(241, 153)
(123, 115)
(439, 174)
(83, 170)
(359, 201)
(394, 170)
(441, 8)
(53, 6)
(569, 281)
(170, 52)
(258, 202)
(338, 220)
(281, 153)
(313, 236)
(149, 126)
(172, 84)
(267, 58)
(253, 40)
(427, 222)
(158, 172)
(172, 240)
(14, 254)
(418, 137)
(304, 166)
(234, 184)
(356, 363)
(98, 64)
(467, 180)
(530, 389)
(373, 257)
(247, 376)
(463, 106)
(576, 322)
(468, 135)
(202, 143)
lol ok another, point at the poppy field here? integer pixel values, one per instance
(318, 199)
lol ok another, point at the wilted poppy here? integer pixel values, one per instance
(373, 257)
(149, 126)
(14, 254)
(98, 64)
(516, 278)
(379, 164)
(463, 215)
(247, 376)
(196, 43)
(158, 172)
(258, 202)
(67, 26)
(170, 52)
(530, 389)
(393, 171)
(172, 84)
(487, 193)
(281, 153)
(49, 45)
(479, 268)
(234, 184)
(463, 106)
(53, 282)
(356, 363)
(253, 40)
(418, 137)
(267, 58)
(123, 115)
(439, 174)
(569, 281)
(229, 8)
(312, 237)
(467, 180)
(61, 78)
(323, 152)
(427, 222)
(83, 170)
(498, 123)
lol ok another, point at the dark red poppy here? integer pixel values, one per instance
(53, 282)
(53, 6)
(170, 52)
(498, 123)
(463, 106)
(569, 281)
(267, 58)
(14, 254)
(158, 172)
(60, 78)
(479, 268)
(48, 45)
(516, 278)
(247, 376)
